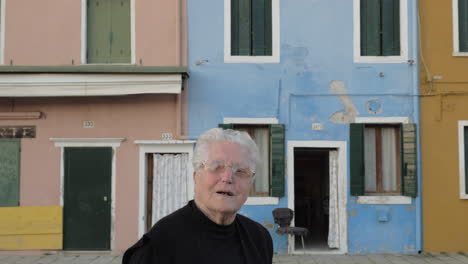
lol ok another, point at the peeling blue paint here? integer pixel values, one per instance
(316, 48)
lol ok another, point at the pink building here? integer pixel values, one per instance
(92, 121)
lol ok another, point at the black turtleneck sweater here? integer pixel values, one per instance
(188, 236)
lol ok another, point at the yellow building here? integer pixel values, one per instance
(444, 124)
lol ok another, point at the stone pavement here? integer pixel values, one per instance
(88, 258)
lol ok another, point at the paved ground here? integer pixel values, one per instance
(69, 258)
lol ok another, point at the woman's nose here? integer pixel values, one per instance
(227, 174)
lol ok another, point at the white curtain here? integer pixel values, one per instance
(389, 161)
(169, 184)
(262, 139)
(333, 220)
(389, 180)
(370, 160)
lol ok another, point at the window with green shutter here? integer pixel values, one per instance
(463, 25)
(270, 139)
(383, 159)
(251, 28)
(380, 27)
(108, 31)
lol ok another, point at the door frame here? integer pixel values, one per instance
(160, 146)
(342, 180)
(114, 143)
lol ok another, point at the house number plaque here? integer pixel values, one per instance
(17, 131)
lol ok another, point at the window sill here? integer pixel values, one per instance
(262, 201)
(384, 199)
(251, 59)
(463, 196)
(460, 54)
(380, 59)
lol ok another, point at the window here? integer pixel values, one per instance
(251, 27)
(460, 26)
(383, 159)
(463, 157)
(380, 30)
(380, 27)
(269, 178)
(251, 30)
(108, 31)
(9, 172)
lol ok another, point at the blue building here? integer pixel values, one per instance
(329, 91)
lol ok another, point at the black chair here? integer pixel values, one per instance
(283, 217)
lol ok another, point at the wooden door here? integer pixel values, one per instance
(87, 198)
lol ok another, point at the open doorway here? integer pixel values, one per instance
(311, 191)
(317, 181)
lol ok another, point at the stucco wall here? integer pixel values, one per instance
(444, 93)
(140, 117)
(443, 103)
(316, 48)
(42, 32)
(444, 212)
(49, 32)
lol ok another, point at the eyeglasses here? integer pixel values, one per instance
(220, 166)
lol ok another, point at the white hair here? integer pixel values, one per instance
(217, 135)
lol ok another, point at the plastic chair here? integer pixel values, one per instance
(283, 217)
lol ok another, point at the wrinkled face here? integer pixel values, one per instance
(223, 193)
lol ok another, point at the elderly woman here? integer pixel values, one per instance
(208, 229)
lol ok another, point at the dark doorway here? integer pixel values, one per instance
(311, 192)
(87, 199)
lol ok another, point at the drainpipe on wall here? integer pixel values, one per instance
(180, 60)
(180, 116)
(416, 103)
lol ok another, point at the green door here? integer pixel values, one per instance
(9, 172)
(87, 199)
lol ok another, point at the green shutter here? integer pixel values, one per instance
(98, 31)
(108, 31)
(409, 158)
(120, 51)
(261, 27)
(226, 126)
(277, 137)
(463, 25)
(9, 172)
(370, 27)
(390, 27)
(466, 159)
(356, 138)
(240, 27)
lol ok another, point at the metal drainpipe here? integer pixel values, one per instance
(416, 103)
(180, 61)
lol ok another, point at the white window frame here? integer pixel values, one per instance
(275, 37)
(268, 200)
(384, 199)
(113, 143)
(461, 157)
(84, 30)
(160, 146)
(456, 31)
(402, 58)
